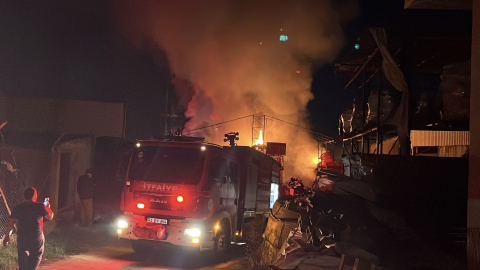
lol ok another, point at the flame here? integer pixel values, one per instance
(260, 139)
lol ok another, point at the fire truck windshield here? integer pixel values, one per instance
(167, 164)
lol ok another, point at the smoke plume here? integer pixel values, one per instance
(230, 61)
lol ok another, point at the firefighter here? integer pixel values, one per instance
(293, 182)
(299, 187)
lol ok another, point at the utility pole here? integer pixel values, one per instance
(168, 113)
(166, 109)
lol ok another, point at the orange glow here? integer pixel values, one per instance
(140, 205)
(119, 231)
(260, 139)
(195, 240)
(180, 199)
(218, 84)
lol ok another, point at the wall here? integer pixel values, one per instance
(81, 156)
(432, 192)
(474, 151)
(39, 115)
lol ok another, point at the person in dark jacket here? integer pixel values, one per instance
(85, 191)
(30, 240)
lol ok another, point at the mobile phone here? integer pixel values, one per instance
(46, 201)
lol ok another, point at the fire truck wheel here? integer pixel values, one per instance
(140, 247)
(222, 240)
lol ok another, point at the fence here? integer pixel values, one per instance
(12, 185)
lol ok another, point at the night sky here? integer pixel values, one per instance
(72, 49)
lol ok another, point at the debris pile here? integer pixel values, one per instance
(323, 228)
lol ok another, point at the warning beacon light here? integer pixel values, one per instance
(232, 137)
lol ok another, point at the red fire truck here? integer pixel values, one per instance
(190, 193)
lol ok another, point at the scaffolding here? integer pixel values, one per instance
(259, 124)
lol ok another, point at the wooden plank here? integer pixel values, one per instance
(5, 201)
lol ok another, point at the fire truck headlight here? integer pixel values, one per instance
(122, 224)
(193, 232)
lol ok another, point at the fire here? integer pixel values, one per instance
(260, 139)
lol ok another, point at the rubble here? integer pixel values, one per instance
(344, 225)
(323, 229)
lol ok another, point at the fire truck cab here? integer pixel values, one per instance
(190, 193)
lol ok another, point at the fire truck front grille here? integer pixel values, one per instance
(157, 201)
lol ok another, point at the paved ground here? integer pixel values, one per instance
(104, 252)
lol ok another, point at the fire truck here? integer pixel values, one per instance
(187, 192)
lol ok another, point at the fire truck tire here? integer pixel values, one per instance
(223, 239)
(140, 247)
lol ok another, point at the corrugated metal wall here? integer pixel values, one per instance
(421, 138)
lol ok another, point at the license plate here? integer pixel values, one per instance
(157, 220)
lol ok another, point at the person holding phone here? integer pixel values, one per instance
(30, 239)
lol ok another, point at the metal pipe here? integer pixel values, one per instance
(253, 128)
(333, 151)
(361, 134)
(166, 111)
(363, 144)
(378, 117)
(264, 130)
(379, 94)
